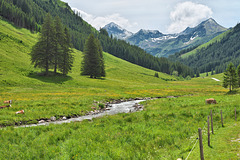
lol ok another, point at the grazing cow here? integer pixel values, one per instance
(1, 107)
(211, 101)
(9, 102)
(20, 112)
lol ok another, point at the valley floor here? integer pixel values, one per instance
(164, 130)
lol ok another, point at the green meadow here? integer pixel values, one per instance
(165, 129)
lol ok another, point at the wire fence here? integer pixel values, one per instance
(197, 139)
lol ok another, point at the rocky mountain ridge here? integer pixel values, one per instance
(163, 45)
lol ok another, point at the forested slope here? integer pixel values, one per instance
(215, 55)
(30, 14)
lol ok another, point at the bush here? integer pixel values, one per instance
(188, 78)
(101, 106)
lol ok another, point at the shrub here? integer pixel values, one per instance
(101, 106)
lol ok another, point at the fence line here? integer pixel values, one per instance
(192, 149)
(195, 143)
(212, 129)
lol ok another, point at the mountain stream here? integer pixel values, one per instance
(123, 107)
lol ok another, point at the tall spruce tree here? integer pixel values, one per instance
(42, 52)
(53, 50)
(230, 78)
(102, 66)
(93, 63)
(58, 42)
(65, 64)
(238, 75)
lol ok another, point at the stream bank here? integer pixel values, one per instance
(110, 108)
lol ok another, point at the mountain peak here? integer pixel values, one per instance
(117, 31)
(207, 27)
(112, 25)
(212, 26)
(209, 21)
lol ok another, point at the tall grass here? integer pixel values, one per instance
(166, 129)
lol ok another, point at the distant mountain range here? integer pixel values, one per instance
(214, 55)
(163, 45)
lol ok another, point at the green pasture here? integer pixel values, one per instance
(166, 129)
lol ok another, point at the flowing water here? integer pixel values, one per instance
(123, 107)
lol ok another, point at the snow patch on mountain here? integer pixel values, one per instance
(167, 37)
(191, 40)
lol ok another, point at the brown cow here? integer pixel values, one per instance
(211, 101)
(9, 102)
(20, 112)
(1, 107)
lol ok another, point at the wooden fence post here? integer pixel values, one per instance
(221, 118)
(211, 122)
(235, 114)
(200, 143)
(208, 132)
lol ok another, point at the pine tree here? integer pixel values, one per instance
(238, 75)
(102, 66)
(212, 73)
(58, 42)
(92, 63)
(53, 50)
(156, 75)
(198, 73)
(66, 62)
(42, 52)
(230, 77)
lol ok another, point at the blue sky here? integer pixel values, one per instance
(167, 16)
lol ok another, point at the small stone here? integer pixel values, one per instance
(53, 118)
(64, 118)
(41, 121)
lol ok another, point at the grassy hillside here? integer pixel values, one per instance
(31, 13)
(164, 130)
(216, 39)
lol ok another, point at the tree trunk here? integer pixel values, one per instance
(46, 72)
(55, 67)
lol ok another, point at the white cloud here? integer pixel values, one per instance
(101, 21)
(188, 14)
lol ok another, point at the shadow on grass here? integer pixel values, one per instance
(50, 78)
(232, 92)
(100, 78)
(210, 146)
